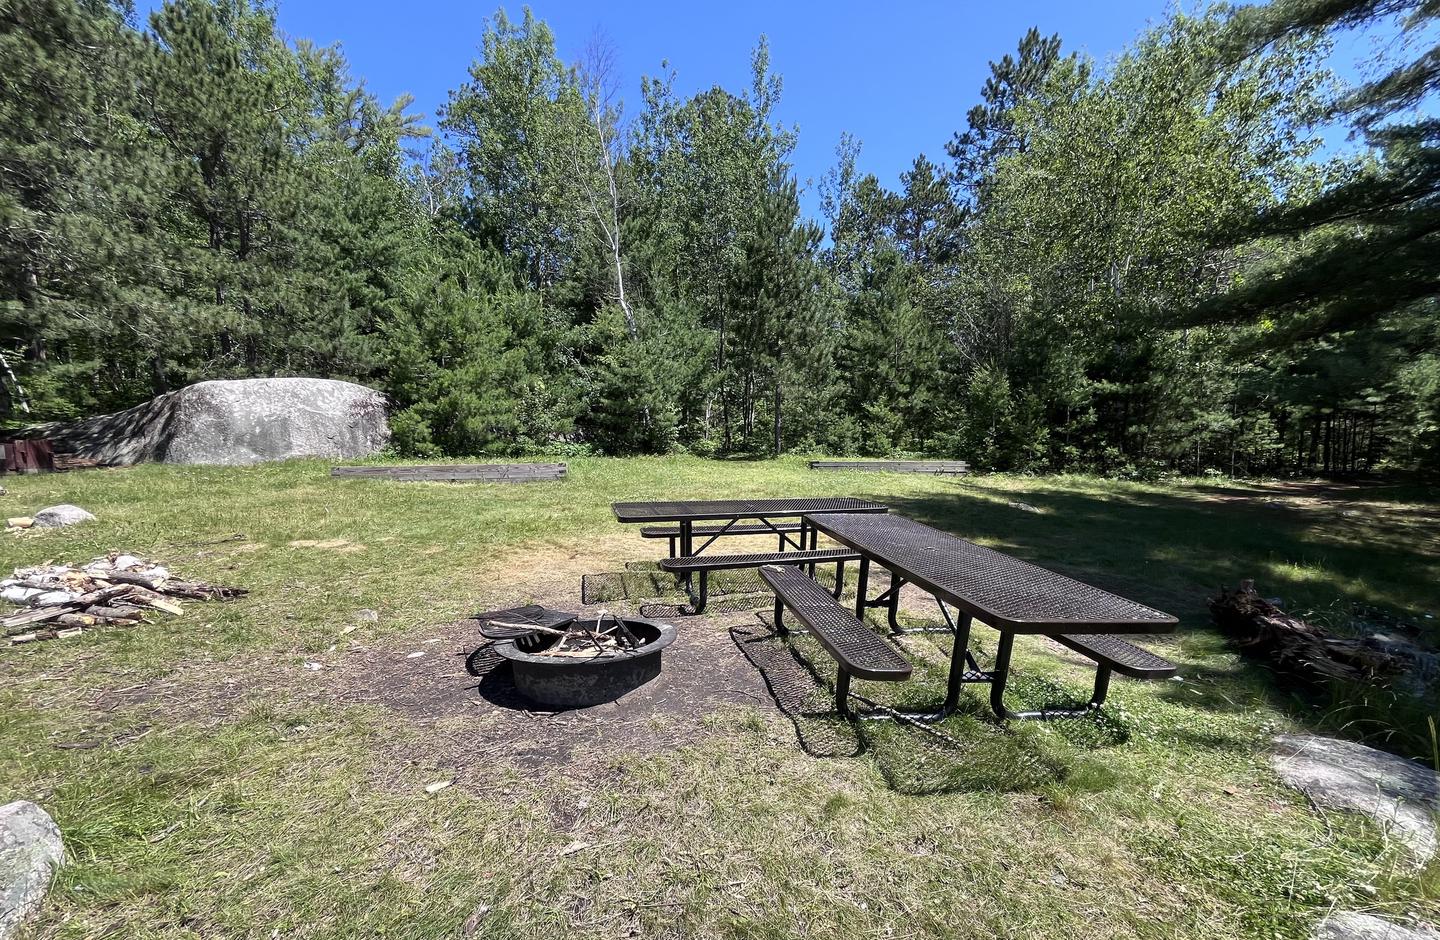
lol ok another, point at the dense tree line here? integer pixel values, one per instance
(1137, 268)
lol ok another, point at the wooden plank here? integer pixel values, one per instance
(894, 466)
(460, 473)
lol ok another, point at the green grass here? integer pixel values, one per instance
(221, 795)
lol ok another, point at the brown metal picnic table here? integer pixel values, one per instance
(731, 511)
(1011, 595)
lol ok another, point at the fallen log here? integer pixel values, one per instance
(1292, 645)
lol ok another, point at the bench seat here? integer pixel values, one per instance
(704, 564)
(672, 532)
(1118, 655)
(1110, 654)
(857, 650)
(684, 565)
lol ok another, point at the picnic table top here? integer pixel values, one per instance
(698, 509)
(993, 587)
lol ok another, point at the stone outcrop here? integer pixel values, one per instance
(244, 421)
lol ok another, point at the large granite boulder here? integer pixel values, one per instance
(30, 852)
(233, 422)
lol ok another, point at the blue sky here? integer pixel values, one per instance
(900, 76)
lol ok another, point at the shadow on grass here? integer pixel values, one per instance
(1172, 549)
(969, 752)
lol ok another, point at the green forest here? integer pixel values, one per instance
(1142, 266)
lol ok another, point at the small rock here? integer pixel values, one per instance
(367, 615)
(416, 655)
(1023, 507)
(314, 667)
(4, 491)
(53, 517)
(1401, 795)
(472, 923)
(30, 851)
(19, 522)
(1348, 925)
(437, 786)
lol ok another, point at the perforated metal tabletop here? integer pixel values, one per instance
(993, 587)
(697, 510)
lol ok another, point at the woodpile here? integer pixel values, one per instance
(1292, 645)
(118, 589)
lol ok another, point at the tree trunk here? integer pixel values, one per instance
(777, 416)
(22, 401)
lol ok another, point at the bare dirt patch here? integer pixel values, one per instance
(458, 694)
(332, 545)
(466, 717)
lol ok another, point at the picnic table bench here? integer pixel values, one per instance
(1010, 595)
(729, 513)
(672, 532)
(857, 650)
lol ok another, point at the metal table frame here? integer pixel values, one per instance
(963, 666)
(733, 511)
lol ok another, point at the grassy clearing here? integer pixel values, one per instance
(220, 792)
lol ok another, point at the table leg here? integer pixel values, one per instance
(862, 584)
(814, 542)
(1000, 674)
(957, 662)
(686, 537)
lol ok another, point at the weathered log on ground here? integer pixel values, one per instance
(1304, 649)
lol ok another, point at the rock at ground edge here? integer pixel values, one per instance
(1346, 925)
(30, 852)
(1401, 795)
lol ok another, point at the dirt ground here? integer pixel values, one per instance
(472, 724)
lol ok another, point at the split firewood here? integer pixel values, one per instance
(115, 589)
(147, 598)
(202, 592)
(36, 615)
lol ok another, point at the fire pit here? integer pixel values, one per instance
(566, 661)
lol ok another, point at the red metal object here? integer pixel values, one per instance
(29, 456)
